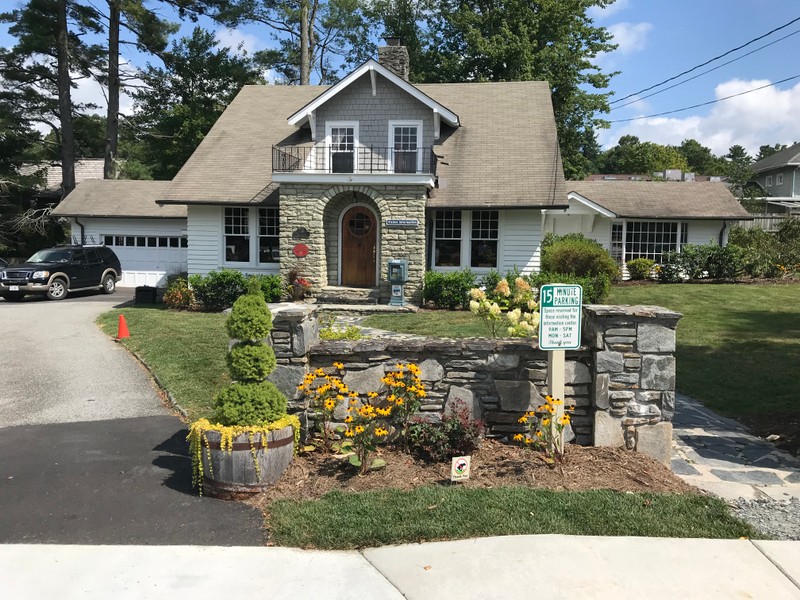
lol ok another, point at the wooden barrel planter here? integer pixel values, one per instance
(235, 471)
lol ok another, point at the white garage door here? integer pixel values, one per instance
(148, 250)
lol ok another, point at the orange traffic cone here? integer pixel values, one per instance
(122, 329)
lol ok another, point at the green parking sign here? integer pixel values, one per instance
(560, 317)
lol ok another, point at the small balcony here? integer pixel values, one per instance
(361, 160)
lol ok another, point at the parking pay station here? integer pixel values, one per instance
(398, 276)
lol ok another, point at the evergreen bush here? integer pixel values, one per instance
(250, 318)
(249, 403)
(251, 362)
(640, 268)
(575, 254)
(219, 289)
(448, 290)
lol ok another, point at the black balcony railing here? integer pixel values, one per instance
(363, 159)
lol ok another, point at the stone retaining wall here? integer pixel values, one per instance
(621, 382)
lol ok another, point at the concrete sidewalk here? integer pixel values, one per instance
(547, 566)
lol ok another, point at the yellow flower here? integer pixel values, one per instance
(545, 422)
(353, 401)
(539, 433)
(348, 419)
(319, 373)
(518, 437)
(301, 387)
(372, 394)
(384, 412)
(330, 404)
(421, 393)
(348, 433)
(353, 394)
(381, 432)
(338, 365)
(339, 397)
(528, 440)
(399, 402)
(359, 429)
(391, 398)
(399, 366)
(522, 420)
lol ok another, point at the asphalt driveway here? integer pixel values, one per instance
(90, 454)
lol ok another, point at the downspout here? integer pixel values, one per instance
(722, 233)
(83, 230)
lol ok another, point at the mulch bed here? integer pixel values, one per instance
(495, 464)
(785, 425)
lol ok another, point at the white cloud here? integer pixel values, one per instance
(235, 38)
(612, 9)
(768, 116)
(630, 37)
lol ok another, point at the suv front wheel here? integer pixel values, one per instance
(57, 290)
(109, 283)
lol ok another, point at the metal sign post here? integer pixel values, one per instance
(560, 309)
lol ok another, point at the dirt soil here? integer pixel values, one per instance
(495, 464)
(785, 425)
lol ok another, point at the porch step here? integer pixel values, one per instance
(348, 295)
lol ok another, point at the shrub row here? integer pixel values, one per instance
(219, 290)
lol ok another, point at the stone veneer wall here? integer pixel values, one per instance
(621, 383)
(634, 382)
(317, 209)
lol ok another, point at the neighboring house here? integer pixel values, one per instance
(149, 239)
(778, 177)
(644, 219)
(334, 181)
(668, 175)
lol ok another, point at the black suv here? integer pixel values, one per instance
(56, 271)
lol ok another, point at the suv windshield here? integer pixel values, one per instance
(51, 256)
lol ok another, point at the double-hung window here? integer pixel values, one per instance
(483, 243)
(405, 138)
(237, 234)
(268, 240)
(342, 143)
(452, 249)
(447, 239)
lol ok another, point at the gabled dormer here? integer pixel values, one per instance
(371, 127)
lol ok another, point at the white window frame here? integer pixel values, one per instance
(277, 234)
(466, 243)
(390, 147)
(682, 235)
(480, 239)
(769, 180)
(779, 179)
(253, 213)
(328, 142)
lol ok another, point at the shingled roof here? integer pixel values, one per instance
(118, 198)
(662, 199)
(505, 154)
(787, 156)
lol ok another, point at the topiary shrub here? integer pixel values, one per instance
(219, 289)
(640, 268)
(448, 290)
(577, 255)
(251, 362)
(250, 319)
(249, 404)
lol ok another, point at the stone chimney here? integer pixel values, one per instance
(394, 56)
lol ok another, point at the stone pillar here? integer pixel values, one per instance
(396, 59)
(294, 330)
(633, 393)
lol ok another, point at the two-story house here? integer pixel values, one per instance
(335, 181)
(778, 177)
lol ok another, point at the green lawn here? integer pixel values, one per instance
(346, 520)
(439, 323)
(738, 345)
(186, 351)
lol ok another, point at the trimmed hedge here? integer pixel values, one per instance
(577, 255)
(640, 268)
(448, 290)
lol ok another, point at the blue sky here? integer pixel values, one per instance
(658, 39)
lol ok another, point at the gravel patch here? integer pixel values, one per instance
(776, 519)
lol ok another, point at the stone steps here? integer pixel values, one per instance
(348, 295)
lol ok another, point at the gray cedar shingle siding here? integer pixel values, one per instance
(118, 198)
(505, 154)
(662, 199)
(787, 156)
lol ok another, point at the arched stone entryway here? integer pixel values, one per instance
(352, 240)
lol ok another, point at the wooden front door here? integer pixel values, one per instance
(359, 247)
